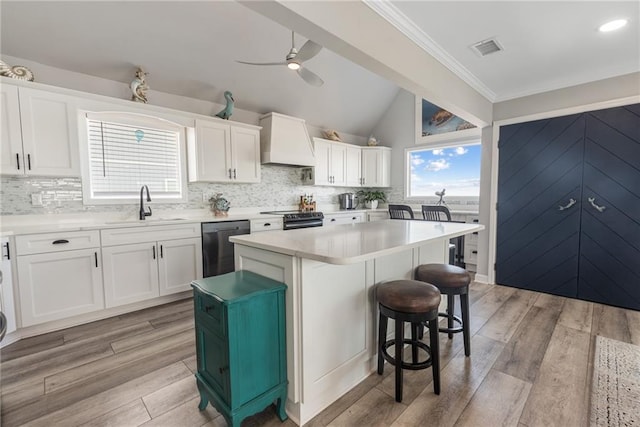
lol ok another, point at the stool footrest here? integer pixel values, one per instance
(453, 330)
(407, 365)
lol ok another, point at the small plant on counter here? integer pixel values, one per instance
(372, 197)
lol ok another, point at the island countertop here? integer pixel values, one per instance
(352, 243)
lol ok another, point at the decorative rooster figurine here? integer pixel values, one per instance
(139, 87)
(228, 110)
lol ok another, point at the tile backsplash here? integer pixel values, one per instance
(280, 186)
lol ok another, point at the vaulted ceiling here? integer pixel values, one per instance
(191, 49)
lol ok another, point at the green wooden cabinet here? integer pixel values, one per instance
(240, 344)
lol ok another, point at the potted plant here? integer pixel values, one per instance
(372, 197)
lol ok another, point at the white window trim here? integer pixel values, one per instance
(432, 146)
(133, 118)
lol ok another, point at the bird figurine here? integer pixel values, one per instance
(441, 194)
(139, 87)
(228, 110)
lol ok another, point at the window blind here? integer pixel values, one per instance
(123, 157)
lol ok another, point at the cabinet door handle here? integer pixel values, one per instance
(18, 160)
(474, 252)
(60, 242)
(333, 219)
(592, 200)
(229, 173)
(161, 252)
(29, 161)
(209, 308)
(223, 369)
(353, 218)
(475, 232)
(8, 255)
(235, 176)
(154, 252)
(572, 202)
(266, 224)
(96, 255)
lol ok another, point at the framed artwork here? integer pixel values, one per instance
(435, 124)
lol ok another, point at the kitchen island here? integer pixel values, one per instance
(331, 313)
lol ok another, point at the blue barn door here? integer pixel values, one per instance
(610, 231)
(539, 201)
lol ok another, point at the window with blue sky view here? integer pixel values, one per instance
(455, 168)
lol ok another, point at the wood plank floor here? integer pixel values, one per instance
(530, 366)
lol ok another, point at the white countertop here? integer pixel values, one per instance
(352, 243)
(29, 224)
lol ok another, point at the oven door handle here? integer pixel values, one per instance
(301, 224)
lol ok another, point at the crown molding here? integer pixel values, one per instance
(406, 26)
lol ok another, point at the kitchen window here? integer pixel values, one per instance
(126, 151)
(454, 167)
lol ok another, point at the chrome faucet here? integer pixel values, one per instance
(143, 213)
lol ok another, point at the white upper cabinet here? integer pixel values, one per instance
(331, 162)
(39, 133)
(10, 132)
(346, 165)
(224, 153)
(354, 166)
(376, 166)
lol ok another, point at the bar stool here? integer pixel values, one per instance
(451, 281)
(415, 302)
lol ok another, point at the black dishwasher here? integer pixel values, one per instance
(217, 251)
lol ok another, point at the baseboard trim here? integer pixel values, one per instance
(482, 278)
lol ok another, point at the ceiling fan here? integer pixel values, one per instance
(294, 60)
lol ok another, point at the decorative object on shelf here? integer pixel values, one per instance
(228, 110)
(372, 197)
(139, 87)
(441, 195)
(16, 72)
(372, 141)
(219, 205)
(332, 135)
(307, 204)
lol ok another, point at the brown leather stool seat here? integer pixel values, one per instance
(417, 303)
(451, 281)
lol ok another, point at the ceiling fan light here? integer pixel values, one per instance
(293, 65)
(612, 25)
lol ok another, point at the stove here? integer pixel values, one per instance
(292, 220)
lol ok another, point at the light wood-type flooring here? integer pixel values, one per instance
(530, 365)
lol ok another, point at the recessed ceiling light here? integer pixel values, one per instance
(612, 25)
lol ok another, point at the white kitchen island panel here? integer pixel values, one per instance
(331, 275)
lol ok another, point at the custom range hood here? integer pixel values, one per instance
(284, 140)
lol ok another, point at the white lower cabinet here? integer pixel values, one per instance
(270, 224)
(377, 215)
(179, 264)
(59, 284)
(342, 218)
(136, 272)
(130, 273)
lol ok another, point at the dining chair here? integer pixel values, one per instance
(441, 213)
(436, 213)
(400, 212)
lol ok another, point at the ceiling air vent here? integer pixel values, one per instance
(486, 47)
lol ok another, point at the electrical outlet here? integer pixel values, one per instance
(36, 199)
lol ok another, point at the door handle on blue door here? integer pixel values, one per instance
(572, 202)
(592, 200)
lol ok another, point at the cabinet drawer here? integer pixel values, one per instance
(130, 235)
(470, 253)
(54, 242)
(258, 225)
(210, 312)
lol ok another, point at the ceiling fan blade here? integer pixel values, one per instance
(308, 51)
(310, 77)
(262, 63)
